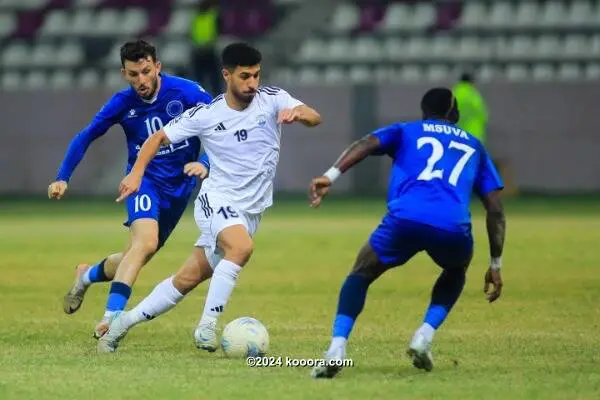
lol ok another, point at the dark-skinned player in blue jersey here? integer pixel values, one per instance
(152, 100)
(436, 168)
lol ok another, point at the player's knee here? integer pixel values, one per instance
(240, 252)
(146, 246)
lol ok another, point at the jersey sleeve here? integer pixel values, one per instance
(390, 138)
(192, 122)
(284, 100)
(105, 118)
(488, 179)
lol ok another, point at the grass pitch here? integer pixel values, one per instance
(539, 341)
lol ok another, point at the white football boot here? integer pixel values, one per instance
(419, 351)
(117, 330)
(335, 359)
(205, 336)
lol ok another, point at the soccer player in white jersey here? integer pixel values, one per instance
(240, 131)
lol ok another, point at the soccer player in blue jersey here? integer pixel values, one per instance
(152, 100)
(436, 167)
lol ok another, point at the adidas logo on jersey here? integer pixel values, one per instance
(220, 127)
(217, 309)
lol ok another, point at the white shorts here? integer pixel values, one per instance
(213, 214)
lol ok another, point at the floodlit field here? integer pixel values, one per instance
(539, 341)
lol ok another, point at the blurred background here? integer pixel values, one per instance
(526, 74)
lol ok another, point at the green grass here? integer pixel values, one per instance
(539, 341)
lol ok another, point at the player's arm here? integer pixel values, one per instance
(488, 186)
(99, 125)
(199, 168)
(382, 141)
(187, 125)
(290, 110)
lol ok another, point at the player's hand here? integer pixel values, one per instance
(57, 190)
(195, 169)
(493, 278)
(319, 188)
(129, 185)
(287, 116)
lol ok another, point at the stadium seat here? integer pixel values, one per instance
(410, 74)
(521, 47)
(569, 72)
(575, 46)
(487, 73)
(548, 46)
(443, 47)
(383, 74)
(594, 49)
(69, 54)
(474, 15)
(312, 50)
(12, 81)
(345, 18)
(417, 48)
(542, 72)
(437, 73)
(133, 21)
(61, 79)
(423, 16)
(88, 78)
(340, 50)
(367, 48)
(16, 54)
(107, 23)
(397, 17)
(333, 75)
(527, 14)
(553, 14)
(309, 76)
(56, 23)
(580, 13)
(43, 54)
(86, 3)
(179, 23)
(473, 48)
(592, 71)
(516, 73)
(112, 59)
(8, 24)
(35, 80)
(24, 4)
(176, 53)
(360, 74)
(501, 15)
(83, 22)
(114, 80)
(393, 49)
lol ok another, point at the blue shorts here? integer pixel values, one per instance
(151, 202)
(395, 241)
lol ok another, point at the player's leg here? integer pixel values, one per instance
(86, 275)
(229, 252)
(144, 209)
(165, 296)
(453, 253)
(388, 246)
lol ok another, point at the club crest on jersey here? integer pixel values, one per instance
(261, 120)
(131, 113)
(174, 108)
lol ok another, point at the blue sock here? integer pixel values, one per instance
(96, 273)
(118, 296)
(350, 304)
(446, 291)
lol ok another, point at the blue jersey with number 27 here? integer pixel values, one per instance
(436, 167)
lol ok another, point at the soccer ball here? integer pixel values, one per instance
(245, 337)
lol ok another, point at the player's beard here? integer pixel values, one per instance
(152, 92)
(243, 98)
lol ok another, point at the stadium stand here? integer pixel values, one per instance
(65, 43)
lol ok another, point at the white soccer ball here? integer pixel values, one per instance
(245, 337)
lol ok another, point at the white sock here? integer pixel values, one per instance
(85, 281)
(336, 342)
(164, 297)
(427, 331)
(219, 291)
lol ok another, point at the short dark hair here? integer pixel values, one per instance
(440, 103)
(240, 55)
(467, 76)
(136, 50)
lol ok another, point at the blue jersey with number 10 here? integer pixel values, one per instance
(436, 168)
(140, 119)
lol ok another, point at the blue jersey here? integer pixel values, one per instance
(436, 168)
(140, 119)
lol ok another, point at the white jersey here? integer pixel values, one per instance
(242, 146)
